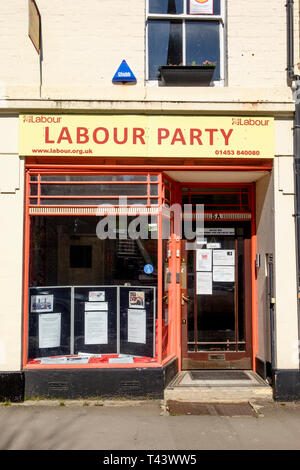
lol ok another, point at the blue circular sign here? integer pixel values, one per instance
(148, 269)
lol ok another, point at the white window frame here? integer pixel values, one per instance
(185, 17)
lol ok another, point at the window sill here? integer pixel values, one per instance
(138, 363)
(93, 366)
(158, 84)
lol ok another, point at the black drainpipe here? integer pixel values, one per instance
(295, 78)
(290, 39)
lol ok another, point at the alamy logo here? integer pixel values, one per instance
(115, 225)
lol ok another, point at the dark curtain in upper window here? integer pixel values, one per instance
(166, 6)
(165, 45)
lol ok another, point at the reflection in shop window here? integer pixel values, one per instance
(59, 244)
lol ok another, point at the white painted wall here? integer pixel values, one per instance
(285, 264)
(276, 235)
(84, 42)
(11, 245)
(265, 245)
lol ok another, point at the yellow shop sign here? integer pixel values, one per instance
(146, 136)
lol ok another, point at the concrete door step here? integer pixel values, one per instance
(218, 387)
(219, 394)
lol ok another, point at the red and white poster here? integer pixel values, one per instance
(201, 7)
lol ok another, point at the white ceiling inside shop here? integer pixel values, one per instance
(216, 176)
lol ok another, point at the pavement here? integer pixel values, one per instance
(143, 425)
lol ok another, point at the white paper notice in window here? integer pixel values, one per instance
(224, 257)
(223, 274)
(201, 7)
(204, 260)
(49, 330)
(95, 328)
(92, 306)
(204, 283)
(136, 326)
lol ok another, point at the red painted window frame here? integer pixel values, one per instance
(87, 171)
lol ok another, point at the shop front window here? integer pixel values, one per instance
(66, 250)
(93, 279)
(91, 298)
(183, 32)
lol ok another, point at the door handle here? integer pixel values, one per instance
(184, 298)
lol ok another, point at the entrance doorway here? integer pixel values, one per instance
(217, 278)
(216, 298)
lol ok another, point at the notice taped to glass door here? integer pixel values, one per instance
(203, 260)
(224, 258)
(223, 274)
(204, 283)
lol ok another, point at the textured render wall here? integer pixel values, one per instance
(83, 44)
(11, 245)
(257, 42)
(85, 41)
(19, 59)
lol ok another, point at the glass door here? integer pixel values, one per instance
(216, 298)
